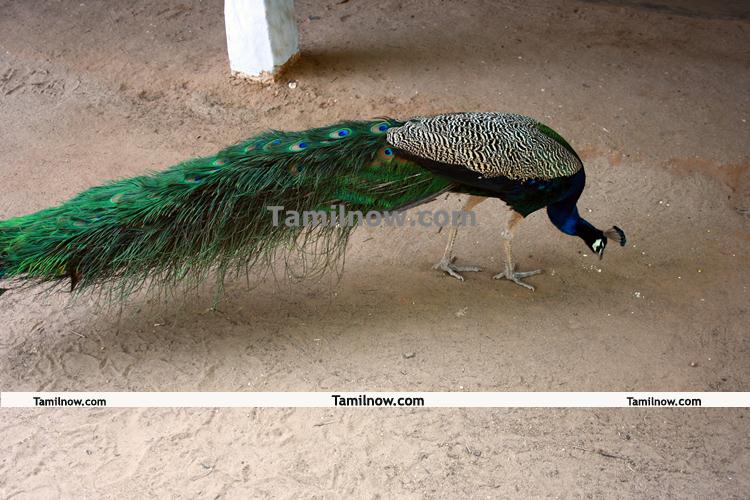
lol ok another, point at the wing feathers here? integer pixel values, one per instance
(492, 144)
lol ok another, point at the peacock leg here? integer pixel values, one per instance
(510, 273)
(446, 263)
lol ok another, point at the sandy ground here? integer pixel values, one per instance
(653, 95)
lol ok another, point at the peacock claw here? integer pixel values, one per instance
(516, 277)
(448, 267)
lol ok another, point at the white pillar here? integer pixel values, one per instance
(261, 36)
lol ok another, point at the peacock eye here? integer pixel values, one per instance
(298, 146)
(379, 128)
(388, 152)
(269, 145)
(342, 132)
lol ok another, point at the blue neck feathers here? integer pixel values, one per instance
(564, 213)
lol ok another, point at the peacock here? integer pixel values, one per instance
(211, 215)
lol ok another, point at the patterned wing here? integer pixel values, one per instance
(492, 144)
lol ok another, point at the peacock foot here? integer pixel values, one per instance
(448, 267)
(516, 277)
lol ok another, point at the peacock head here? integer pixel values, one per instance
(597, 240)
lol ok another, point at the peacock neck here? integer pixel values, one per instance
(564, 213)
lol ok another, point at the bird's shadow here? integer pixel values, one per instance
(254, 331)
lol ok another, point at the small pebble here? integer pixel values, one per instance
(409, 355)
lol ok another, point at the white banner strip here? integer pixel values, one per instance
(374, 399)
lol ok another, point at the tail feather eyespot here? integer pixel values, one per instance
(380, 128)
(340, 133)
(385, 154)
(299, 146)
(271, 144)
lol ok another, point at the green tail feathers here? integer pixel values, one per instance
(213, 213)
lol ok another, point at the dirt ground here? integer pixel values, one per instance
(653, 95)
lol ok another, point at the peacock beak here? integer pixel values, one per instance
(598, 247)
